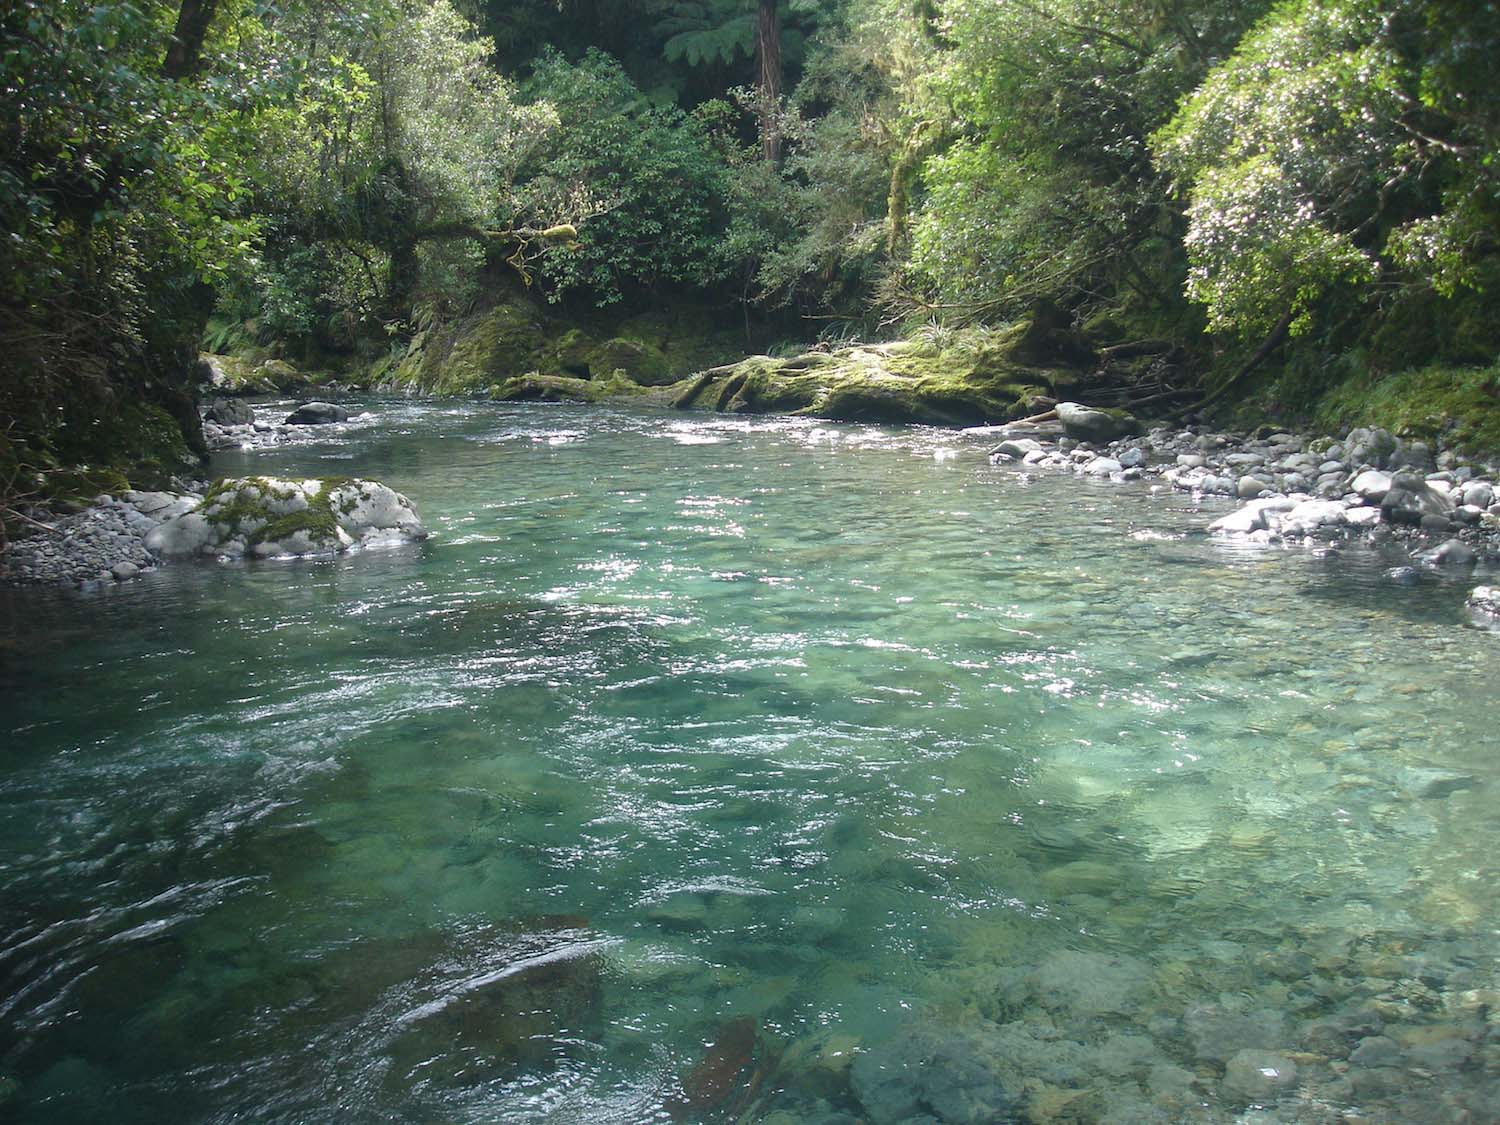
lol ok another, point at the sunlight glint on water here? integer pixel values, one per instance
(677, 721)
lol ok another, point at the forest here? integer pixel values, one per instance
(1289, 208)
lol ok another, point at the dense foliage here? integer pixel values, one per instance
(1312, 184)
(122, 200)
(656, 182)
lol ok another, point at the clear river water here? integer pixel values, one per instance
(707, 768)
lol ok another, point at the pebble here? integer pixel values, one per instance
(102, 544)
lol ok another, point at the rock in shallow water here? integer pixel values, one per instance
(1452, 552)
(948, 1076)
(1017, 447)
(267, 517)
(1372, 485)
(1085, 423)
(228, 412)
(317, 414)
(1088, 985)
(1257, 1076)
(1412, 501)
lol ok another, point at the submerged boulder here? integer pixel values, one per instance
(934, 1074)
(1450, 552)
(1485, 600)
(266, 517)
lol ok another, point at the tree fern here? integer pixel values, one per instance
(702, 34)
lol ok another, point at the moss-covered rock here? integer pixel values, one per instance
(545, 388)
(579, 355)
(255, 373)
(970, 380)
(1459, 405)
(534, 387)
(267, 517)
(135, 440)
(1099, 425)
(513, 336)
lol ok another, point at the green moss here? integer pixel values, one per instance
(500, 342)
(940, 379)
(246, 514)
(82, 483)
(256, 372)
(136, 440)
(319, 522)
(562, 388)
(1460, 404)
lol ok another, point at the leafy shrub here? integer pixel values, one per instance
(660, 184)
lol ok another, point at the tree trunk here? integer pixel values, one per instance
(186, 49)
(1268, 345)
(402, 274)
(768, 51)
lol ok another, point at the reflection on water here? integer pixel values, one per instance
(702, 769)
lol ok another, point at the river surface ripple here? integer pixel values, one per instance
(703, 767)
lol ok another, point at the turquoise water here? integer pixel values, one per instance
(745, 769)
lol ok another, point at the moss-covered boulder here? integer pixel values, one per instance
(511, 336)
(255, 374)
(973, 380)
(579, 355)
(546, 388)
(266, 517)
(492, 344)
(534, 387)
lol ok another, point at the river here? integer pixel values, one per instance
(703, 767)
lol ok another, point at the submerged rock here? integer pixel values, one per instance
(1217, 1032)
(1485, 600)
(1451, 552)
(1088, 985)
(1430, 783)
(930, 1074)
(265, 517)
(1257, 1076)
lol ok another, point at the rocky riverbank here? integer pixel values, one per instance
(117, 538)
(104, 543)
(1426, 510)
